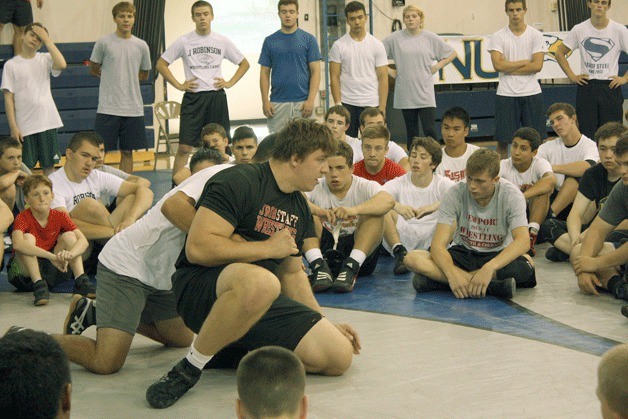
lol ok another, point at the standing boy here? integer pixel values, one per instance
(517, 53)
(417, 197)
(205, 100)
(45, 239)
(31, 111)
(290, 65)
(487, 216)
(20, 14)
(354, 209)
(121, 60)
(599, 98)
(455, 128)
(532, 175)
(376, 166)
(358, 68)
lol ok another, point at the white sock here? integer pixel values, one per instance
(197, 359)
(358, 255)
(535, 227)
(313, 254)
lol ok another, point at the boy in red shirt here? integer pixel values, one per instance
(44, 238)
(375, 165)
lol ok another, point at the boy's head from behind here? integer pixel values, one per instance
(10, 154)
(203, 158)
(214, 136)
(425, 150)
(612, 382)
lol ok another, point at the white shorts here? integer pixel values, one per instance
(413, 235)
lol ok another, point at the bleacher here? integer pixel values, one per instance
(75, 93)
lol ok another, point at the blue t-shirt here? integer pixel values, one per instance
(288, 56)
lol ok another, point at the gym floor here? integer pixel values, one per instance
(426, 355)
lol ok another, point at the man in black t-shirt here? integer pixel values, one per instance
(239, 282)
(595, 185)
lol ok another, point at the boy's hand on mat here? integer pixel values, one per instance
(350, 334)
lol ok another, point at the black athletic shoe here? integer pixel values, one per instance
(621, 291)
(320, 278)
(346, 278)
(624, 310)
(400, 253)
(81, 315)
(556, 255)
(169, 388)
(14, 329)
(41, 293)
(422, 283)
(504, 288)
(83, 287)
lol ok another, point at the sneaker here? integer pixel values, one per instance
(624, 310)
(400, 253)
(556, 255)
(422, 283)
(346, 278)
(320, 278)
(621, 291)
(14, 329)
(81, 315)
(532, 251)
(83, 287)
(172, 386)
(41, 293)
(504, 288)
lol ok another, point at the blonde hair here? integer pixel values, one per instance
(415, 8)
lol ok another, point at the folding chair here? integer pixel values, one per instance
(165, 111)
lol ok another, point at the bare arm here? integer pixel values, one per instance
(334, 81)
(209, 230)
(315, 81)
(143, 75)
(94, 69)
(576, 214)
(382, 86)
(295, 284)
(164, 70)
(58, 62)
(264, 87)
(501, 64)
(533, 66)
(575, 169)
(142, 202)
(378, 205)
(22, 246)
(9, 103)
(243, 67)
(6, 216)
(442, 63)
(181, 175)
(179, 210)
(543, 186)
(561, 59)
(139, 180)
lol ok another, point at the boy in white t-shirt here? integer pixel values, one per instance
(417, 196)
(455, 128)
(205, 100)
(487, 217)
(570, 155)
(517, 52)
(31, 111)
(353, 209)
(599, 97)
(338, 120)
(532, 175)
(358, 67)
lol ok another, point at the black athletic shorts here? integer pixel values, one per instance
(284, 324)
(200, 109)
(471, 260)
(125, 133)
(17, 12)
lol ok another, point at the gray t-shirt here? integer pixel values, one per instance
(615, 210)
(121, 61)
(414, 56)
(485, 229)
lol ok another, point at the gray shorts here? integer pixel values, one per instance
(123, 302)
(284, 111)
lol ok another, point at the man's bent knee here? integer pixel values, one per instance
(254, 287)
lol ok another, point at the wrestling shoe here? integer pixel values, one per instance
(14, 329)
(83, 287)
(346, 278)
(624, 310)
(621, 291)
(400, 252)
(320, 278)
(556, 255)
(41, 293)
(81, 315)
(422, 283)
(169, 388)
(504, 288)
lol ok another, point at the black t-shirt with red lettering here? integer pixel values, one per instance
(248, 197)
